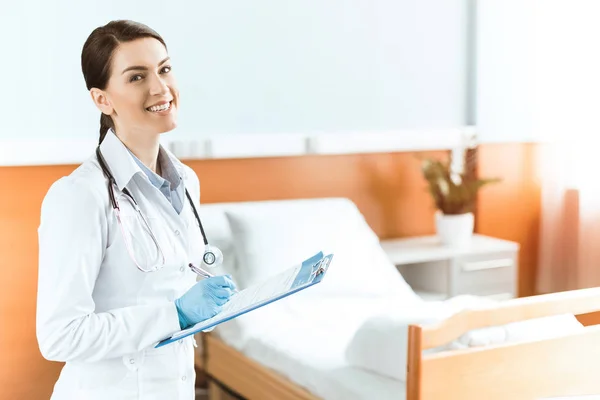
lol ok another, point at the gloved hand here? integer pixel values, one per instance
(204, 300)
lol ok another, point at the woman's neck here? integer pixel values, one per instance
(144, 148)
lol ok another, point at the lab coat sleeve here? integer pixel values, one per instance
(72, 241)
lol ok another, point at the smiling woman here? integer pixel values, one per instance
(131, 83)
(113, 278)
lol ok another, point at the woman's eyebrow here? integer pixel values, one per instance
(142, 68)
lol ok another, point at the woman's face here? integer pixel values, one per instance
(141, 96)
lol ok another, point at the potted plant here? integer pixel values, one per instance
(454, 190)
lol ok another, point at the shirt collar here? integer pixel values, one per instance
(168, 169)
(123, 166)
(155, 179)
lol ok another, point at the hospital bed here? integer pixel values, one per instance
(336, 340)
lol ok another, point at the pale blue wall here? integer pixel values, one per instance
(249, 66)
(538, 69)
(505, 75)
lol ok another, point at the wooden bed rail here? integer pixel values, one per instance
(565, 365)
(574, 302)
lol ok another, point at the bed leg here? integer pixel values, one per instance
(413, 374)
(216, 392)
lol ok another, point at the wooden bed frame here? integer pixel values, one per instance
(562, 366)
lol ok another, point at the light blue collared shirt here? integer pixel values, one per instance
(171, 185)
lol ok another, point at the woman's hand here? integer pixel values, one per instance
(204, 300)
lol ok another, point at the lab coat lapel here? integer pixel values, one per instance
(119, 161)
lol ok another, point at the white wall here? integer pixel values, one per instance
(249, 66)
(538, 70)
(504, 70)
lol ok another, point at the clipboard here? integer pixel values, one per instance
(299, 277)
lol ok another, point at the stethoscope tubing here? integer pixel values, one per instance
(115, 204)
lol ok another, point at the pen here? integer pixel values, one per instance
(203, 273)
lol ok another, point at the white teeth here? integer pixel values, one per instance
(163, 107)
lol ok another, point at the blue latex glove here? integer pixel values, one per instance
(204, 300)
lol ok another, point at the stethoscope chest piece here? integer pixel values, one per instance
(213, 256)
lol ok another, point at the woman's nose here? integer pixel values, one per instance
(158, 86)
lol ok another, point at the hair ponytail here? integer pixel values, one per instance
(106, 123)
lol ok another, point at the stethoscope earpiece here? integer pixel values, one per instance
(213, 256)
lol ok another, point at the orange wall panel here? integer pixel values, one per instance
(511, 209)
(24, 374)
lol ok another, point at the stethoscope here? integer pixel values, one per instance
(212, 258)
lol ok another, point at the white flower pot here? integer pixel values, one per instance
(454, 230)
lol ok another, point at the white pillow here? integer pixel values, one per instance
(380, 344)
(272, 236)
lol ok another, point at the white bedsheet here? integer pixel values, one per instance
(305, 340)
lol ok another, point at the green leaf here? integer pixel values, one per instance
(451, 197)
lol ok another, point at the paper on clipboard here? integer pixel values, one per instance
(290, 281)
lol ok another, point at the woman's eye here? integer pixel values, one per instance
(135, 77)
(166, 69)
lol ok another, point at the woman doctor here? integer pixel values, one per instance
(113, 281)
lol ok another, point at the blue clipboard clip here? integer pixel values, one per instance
(320, 267)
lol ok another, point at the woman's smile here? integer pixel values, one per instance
(161, 108)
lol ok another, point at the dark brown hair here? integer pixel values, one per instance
(97, 53)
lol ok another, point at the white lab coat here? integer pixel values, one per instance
(95, 310)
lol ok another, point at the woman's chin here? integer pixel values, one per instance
(165, 127)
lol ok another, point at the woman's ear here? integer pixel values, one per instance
(101, 101)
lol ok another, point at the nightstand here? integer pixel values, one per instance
(486, 267)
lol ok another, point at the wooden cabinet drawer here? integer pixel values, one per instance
(485, 274)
